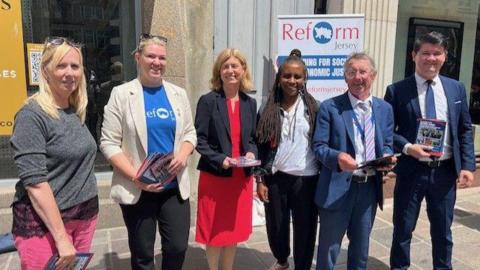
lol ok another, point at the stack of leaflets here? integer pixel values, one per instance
(154, 169)
(81, 261)
(246, 162)
(430, 133)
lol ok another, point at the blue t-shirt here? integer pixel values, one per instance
(161, 121)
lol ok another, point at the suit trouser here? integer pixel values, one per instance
(356, 217)
(172, 214)
(290, 194)
(438, 187)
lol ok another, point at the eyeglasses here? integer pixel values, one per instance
(350, 73)
(145, 36)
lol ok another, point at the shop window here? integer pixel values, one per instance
(320, 6)
(106, 28)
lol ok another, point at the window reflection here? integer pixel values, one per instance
(107, 30)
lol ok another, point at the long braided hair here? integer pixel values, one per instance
(270, 123)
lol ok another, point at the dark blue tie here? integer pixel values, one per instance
(430, 102)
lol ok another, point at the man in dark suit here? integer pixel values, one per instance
(428, 95)
(350, 129)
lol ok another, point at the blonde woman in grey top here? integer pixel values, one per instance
(56, 205)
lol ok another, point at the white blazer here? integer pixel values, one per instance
(124, 130)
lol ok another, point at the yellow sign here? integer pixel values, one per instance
(12, 64)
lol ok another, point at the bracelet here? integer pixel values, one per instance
(259, 180)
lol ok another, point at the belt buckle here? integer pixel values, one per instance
(434, 163)
(361, 179)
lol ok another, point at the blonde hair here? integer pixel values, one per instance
(216, 80)
(51, 56)
(143, 42)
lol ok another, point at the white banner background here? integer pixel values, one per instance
(325, 42)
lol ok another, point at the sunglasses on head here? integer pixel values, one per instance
(57, 41)
(145, 36)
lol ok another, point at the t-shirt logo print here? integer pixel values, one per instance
(162, 113)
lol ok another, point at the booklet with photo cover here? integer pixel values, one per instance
(430, 133)
(378, 162)
(246, 162)
(154, 169)
(81, 261)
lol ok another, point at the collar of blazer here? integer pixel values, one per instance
(137, 108)
(347, 114)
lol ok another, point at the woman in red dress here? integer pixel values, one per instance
(225, 124)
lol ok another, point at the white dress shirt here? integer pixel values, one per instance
(359, 144)
(441, 110)
(294, 154)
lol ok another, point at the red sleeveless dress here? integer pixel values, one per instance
(224, 214)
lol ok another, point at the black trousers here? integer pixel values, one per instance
(291, 195)
(172, 214)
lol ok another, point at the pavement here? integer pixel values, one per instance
(111, 247)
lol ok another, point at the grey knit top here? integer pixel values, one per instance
(60, 151)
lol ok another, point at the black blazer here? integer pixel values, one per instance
(213, 131)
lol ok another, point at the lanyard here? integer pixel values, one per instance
(361, 128)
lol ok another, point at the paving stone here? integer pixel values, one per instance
(195, 259)
(378, 250)
(111, 245)
(100, 237)
(380, 224)
(472, 222)
(263, 254)
(464, 234)
(472, 206)
(120, 246)
(118, 233)
(421, 255)
(100, 257)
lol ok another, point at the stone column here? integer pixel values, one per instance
(380, 29)
(188, 25)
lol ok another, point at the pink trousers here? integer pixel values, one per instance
(36, 251)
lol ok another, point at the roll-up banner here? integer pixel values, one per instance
(325, 42)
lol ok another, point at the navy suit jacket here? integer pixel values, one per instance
(213, 131)
(403, 96)
(334, 134)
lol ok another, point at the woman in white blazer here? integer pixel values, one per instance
(143, 116)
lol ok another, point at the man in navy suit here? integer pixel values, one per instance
(419, 175)
(350, 129)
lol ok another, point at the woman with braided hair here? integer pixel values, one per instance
(287, 178)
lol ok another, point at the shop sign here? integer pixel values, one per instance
(12, 64)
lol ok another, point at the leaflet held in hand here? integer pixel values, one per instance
(154, 169)
(246, 162)
(431, 133)
(81, 261)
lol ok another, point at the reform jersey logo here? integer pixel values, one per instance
(161, 113)
(322, 32)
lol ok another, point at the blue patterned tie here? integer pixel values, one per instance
(430, 102)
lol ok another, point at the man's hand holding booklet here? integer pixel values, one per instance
(154, 169)
(380, 164)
